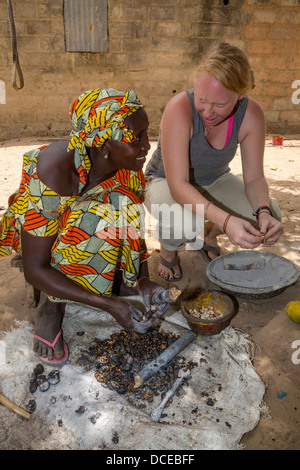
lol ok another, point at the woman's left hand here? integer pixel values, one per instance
(146, 288)
(270, 227)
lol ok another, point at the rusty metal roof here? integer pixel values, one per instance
(86, 25)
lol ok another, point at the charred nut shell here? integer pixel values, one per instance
(31, 406)
(80, 410)
(121, 356)
(32, 387)
(53, 377)
(40, 379)
(122, 389)
(32, 377)
(39, 369)
(100, 377)
(44, 386)
(103, 360)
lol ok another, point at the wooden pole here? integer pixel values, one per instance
(12, 406)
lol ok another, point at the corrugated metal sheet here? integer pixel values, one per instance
(86, 25)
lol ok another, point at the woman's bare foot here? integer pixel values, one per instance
(168, 273)
(47, 325)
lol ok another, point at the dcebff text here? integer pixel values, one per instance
(153, 459)
(167, 459)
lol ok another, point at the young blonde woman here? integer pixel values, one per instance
(200, 131)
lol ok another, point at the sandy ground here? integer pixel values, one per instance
(265, 320)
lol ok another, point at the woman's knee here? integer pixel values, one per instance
(275, 209)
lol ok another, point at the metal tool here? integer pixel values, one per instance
(164, 358)
(157, 412)
(167, 296)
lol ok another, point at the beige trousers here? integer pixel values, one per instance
(178, 226)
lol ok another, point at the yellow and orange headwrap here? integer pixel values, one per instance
(98, 115)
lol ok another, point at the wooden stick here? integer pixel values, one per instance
(12, 406)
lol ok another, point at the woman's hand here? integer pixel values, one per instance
(242, 233)
(129, 317)
(146, 288)
(271, 228)
(40, 274)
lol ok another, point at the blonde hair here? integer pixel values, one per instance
(229, 65)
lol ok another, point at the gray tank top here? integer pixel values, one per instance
(206, 163)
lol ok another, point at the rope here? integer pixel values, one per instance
(16, 68)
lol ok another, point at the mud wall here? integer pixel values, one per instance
(153, 47)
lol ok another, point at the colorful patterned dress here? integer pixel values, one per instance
(97, 232)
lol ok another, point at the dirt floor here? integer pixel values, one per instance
(274, 334)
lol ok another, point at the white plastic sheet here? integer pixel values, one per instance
(223, 401)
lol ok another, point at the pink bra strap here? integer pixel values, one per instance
(229, 130)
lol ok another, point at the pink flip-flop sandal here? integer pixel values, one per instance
(54, 362)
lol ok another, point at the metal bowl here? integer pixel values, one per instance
(214, 300)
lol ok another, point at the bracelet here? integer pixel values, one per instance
(226, 222)
(261, 212)
(205, 210)
(260, 209)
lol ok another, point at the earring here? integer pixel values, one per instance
(105, 156)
